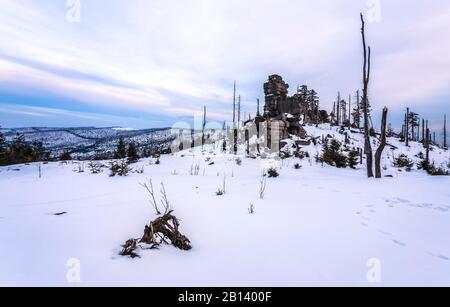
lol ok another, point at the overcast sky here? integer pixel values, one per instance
(150, 63)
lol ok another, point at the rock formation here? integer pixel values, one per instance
(281, 109)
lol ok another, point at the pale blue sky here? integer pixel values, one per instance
(149, 63)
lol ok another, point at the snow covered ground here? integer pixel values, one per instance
(317, 225)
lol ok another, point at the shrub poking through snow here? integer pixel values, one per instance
(272, 172)
(80, 167)
(301, 154)
(223, 190)
(140, 170)
(437, 171)
(353, 159)
(332, 154)
(432, 169)
(157, 162)
(238, 161)
(297, 166)
(262, 186)
(95, 167)
(403, 161)
(119, 167)
(285, 155)
(251, 209)
(195, 170)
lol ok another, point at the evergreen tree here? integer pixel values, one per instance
(121, 151)
(313, 104)
(413, 123)
(132, 153)
(332, 154)
(2, 149)
(20, 151)
(353, 158)
(65, 156)
(357, 112)
(39, 152)
(304, 92)
(304, 95)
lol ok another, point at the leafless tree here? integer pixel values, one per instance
(365, 99)
(445, 131)
(203, 127)
(262, 186)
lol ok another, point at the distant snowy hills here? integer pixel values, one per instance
(90, 141)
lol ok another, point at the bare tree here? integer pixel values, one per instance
(239, 112)
(407, 127)
(380, 149)
(349, 111)
(427, 146)
(338, 110)
(423, 130)
(234, 105)
(366, 79)
(257, 107)
(262, 186)
(203, 127)
(445, 131)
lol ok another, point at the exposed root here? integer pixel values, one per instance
(163, 230)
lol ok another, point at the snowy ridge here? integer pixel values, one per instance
(315, 226)
(88, 141)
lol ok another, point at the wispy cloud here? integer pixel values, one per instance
(42, 116)
(169, 58)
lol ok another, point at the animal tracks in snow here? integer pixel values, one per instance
(441, 257)
(399, 201)
(399, 242)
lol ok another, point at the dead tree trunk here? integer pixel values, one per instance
(239, 112)
(257, 107)
(358, 112)
(427, 146)
(445, 131)
(423, 130)
(380, 149)
(234, 105)
(407, 127)
(235, 137)
(366, 79)
(203, 127)
(349, 111)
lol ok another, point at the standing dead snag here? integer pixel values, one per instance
(380, 149)
(427, 146)
(366, 78)
(203, 127)
(445, 132)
